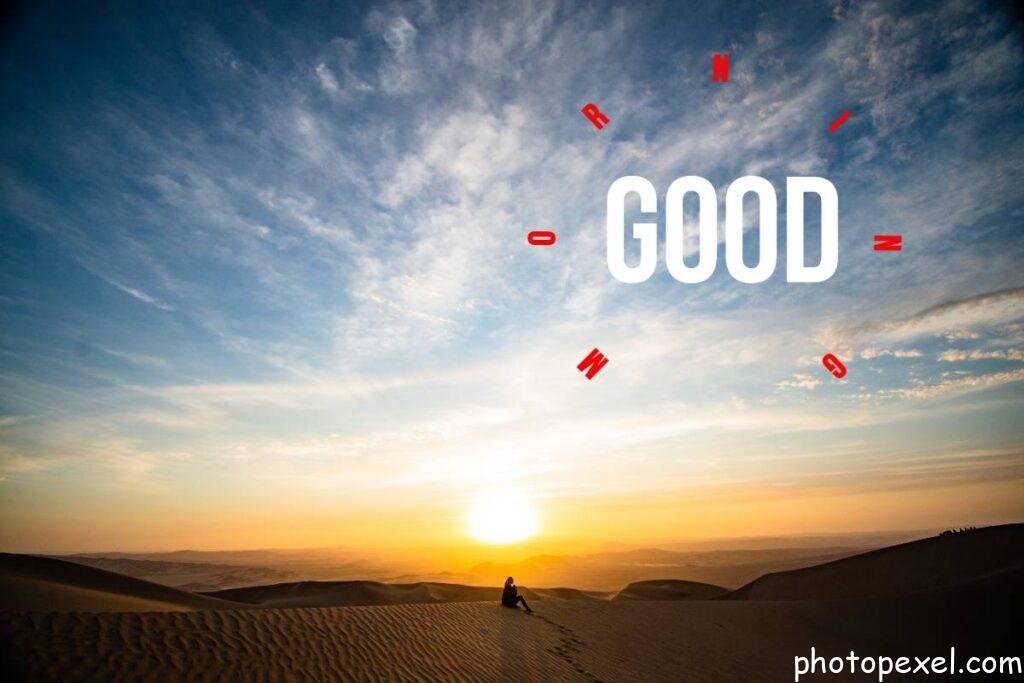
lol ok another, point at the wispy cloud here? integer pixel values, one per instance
(140, 295)
(873, 352)
(953, 355)
(799, 381)
(957, 386)
(952, 319)
(336, 219)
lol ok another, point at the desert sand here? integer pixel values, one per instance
(914, 599)
(733, 564)
(359, 593)
(965, 560)
(42, 584)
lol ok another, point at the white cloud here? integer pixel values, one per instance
(336, 74)
(140, 295)
(952, 355)
(393, 233)
(985, 309)
(873, 352)
(799, 381)
(958, 386)
(957, 335)
(958, 317)
(327, 79)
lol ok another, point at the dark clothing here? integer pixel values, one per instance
(511, 598)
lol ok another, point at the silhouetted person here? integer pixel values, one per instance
(510, 596)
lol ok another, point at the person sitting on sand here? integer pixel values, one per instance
(510, 596)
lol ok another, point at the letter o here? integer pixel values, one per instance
(707, 236)
(767, 229)
(541, 238)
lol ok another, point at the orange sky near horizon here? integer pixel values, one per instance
(149, 522)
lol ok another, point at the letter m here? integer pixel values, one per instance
(720, 68)
(594, 361)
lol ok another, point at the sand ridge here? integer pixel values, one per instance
(963, 589)
(361, 593)
(669, 589)
(455, 641)
(43, 584)
(591, 640)
(926, 565)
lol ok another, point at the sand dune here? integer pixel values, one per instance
(580, 640)
(41, 584)
(31, 584)
(669, 589)
(915, 599)
(353, 593)
(565, 594)
(212, 570)
(606, 571)
(359, 593)
(610, 571)
(988, 559)
(189, 576)
(993, 556)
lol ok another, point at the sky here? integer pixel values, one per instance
(264, 279)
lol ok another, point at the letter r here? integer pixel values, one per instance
(594, 115)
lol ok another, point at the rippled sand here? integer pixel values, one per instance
(562, 641)
(915, 599)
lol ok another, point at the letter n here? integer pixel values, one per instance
(720, 68)
(595, 360)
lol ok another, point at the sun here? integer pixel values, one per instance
(500, 517)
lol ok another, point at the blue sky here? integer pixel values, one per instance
(274, 256)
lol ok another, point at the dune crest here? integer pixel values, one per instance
(42, 584)
(669, 589)
(991, 558)
(364, 593)
(916, 598)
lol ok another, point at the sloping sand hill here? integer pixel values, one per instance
(746, 638)
(610, 571)
(357, 593)
(579, 640)
(669, 589)
(352, 593)
(931, 564)
(188, 576)
(40, 584)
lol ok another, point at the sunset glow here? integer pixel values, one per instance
(502, 517)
